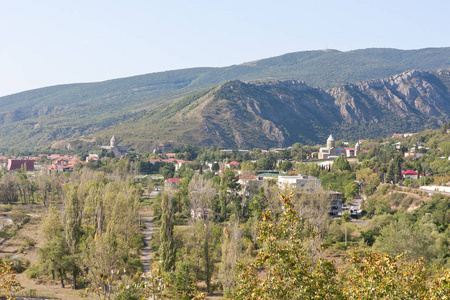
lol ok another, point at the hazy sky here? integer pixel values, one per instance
(46, 43)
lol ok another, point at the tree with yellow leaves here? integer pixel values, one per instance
(8, 283)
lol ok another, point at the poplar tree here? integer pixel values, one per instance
(167, 247)
(73, 228)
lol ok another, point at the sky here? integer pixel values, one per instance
(44, 43)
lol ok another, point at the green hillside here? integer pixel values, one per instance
(280, 113)
(32, 119)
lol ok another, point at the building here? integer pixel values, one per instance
(173, 182)
(92, 157)
(62, 163)
(178, 163)
(299, 182)
(335, 199)
(16, 164)
(410, 174)
(331, 151)
(113, 148)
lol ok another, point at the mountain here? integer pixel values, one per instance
(32, 119)
(280, 113)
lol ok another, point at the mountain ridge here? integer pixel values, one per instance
(280, 113)
(32, 119)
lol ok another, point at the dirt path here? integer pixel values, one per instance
(5, 221)
(146, 254)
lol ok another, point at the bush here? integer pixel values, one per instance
(29, 242)
(18, 265)
(19, 216)
(396, 199)
(5, 207)
(346, 216)
(33, 272)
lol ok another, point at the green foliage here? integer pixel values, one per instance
(346, 217)
(379, 276)
(167, 247)
(289, 271)
(351, 190)
(286, 165)
(336, 181)
(341, 164)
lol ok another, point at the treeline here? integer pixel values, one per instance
(95, 236)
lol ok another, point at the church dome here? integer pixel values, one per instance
(331, 139)
(113, 139)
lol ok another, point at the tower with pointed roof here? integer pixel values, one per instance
(118, 151)
(331, 142)
(113, 141)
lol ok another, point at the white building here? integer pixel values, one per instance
(300, 182)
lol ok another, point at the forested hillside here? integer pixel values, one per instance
(280, 113)
(34, 118)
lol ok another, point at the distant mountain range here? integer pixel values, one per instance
(274, 109)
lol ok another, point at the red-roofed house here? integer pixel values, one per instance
(233, 164)
(173, 181)
(409, 174)
(15, 164)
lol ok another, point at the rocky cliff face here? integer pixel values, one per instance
(409, 94)
(279, 113)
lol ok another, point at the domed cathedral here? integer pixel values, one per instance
(332, 152)
(118, 151)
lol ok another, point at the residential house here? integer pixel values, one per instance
(173, 182)
(410, 174)
(92, 157)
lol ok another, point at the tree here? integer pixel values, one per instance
(55, 256)
(230, 255)
(286, 165)
(215, 167)
(341, 164)
(201, 194)
(8, 283)
(369, 180)
(380, 276)
(167, 245)
(73, 213)
(289, 272)
(351, 190)
(265, 163)
(394, 173)
(228, 191)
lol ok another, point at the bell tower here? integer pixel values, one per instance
(113, 141)
(331, 143)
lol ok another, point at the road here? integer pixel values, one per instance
(424, 191)
(146, 254)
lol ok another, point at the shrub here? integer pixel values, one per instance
(5, 207)
(29, 242)
(33, 272)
